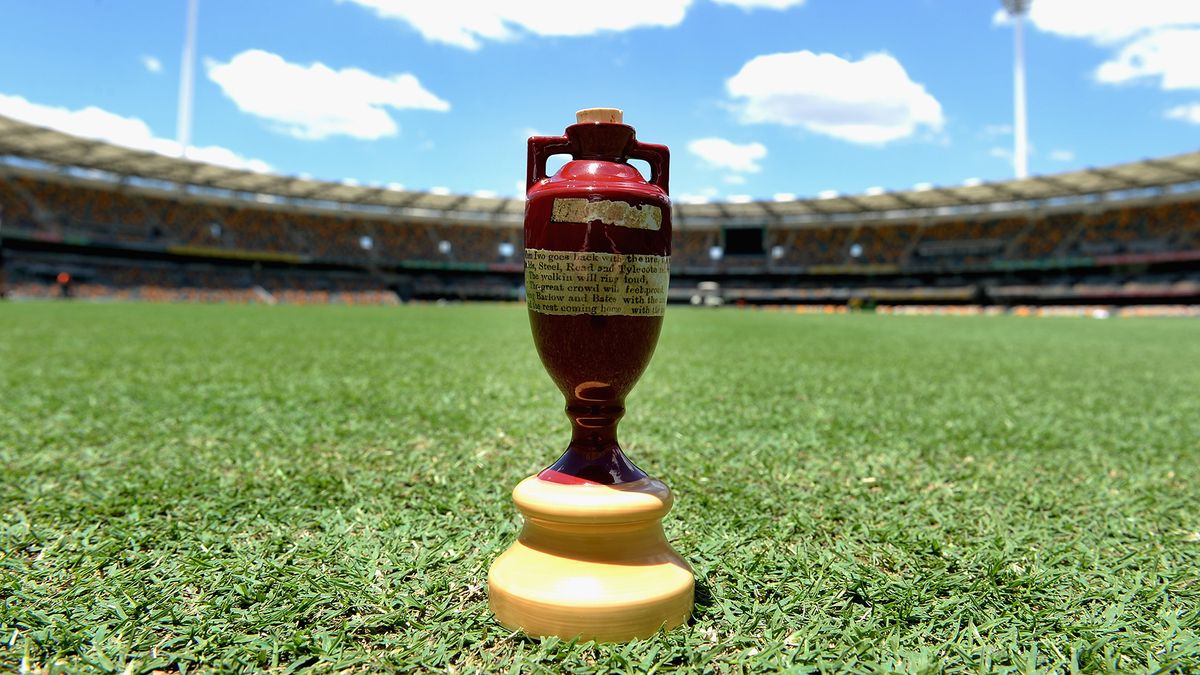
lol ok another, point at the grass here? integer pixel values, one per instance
(190, 488)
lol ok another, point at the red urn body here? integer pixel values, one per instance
(597, 257)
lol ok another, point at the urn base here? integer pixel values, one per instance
(592, 563)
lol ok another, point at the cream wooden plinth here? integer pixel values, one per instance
(592, 562)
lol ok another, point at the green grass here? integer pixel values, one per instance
(190, 488)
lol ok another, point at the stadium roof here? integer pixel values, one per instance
(28, 141)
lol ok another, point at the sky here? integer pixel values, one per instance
(758, 99)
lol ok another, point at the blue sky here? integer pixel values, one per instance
(756, 98)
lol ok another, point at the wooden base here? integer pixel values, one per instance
(592, 562)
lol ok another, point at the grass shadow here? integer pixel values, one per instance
(703, 596)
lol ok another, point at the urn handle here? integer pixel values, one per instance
(659, 159)
(542, 148)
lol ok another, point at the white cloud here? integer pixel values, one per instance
(1108, 21)
(993, 130)
(1170, 55)
(1001, 153)
(1188, 112)
(314, 101)
(763, 4)
(215, 154)
(734, 179)
(702, 197)
(151, 63)
(725, 154)
(1061, 155)
(470, 23)
(467, 23)
(869, 101)
(131, 132)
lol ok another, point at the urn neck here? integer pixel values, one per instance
(593, 140)
(594, 427)
(594, 454)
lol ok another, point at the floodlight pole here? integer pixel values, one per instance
(1017, 10)
(183, 122)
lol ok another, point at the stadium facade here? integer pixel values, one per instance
(91, 219)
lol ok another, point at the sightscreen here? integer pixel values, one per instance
(744, 240)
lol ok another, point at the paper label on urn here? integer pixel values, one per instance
(597, 284)
(607, 211)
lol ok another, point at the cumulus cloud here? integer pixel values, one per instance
(764, 4)
(725, 154)
(131, 132)
(1170, 56)
(151, 63)
(467, 23)
(1061, 155)
(470, 23)
(1188, 112)
(704, 196)
(870, 101)
(314, 101)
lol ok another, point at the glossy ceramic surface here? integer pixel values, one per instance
(596, 360)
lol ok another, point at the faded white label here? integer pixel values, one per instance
(580, 210)
(599, 284)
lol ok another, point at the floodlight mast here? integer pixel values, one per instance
(183, 121)
(1017, 10)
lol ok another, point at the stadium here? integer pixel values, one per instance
(255, 421)
(125, 224)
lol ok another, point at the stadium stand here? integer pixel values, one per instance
(131, 225)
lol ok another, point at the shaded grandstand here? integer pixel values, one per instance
(128, 224)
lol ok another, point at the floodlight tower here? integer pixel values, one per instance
(183, 121)
(1017, 10)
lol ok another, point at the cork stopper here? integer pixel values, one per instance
(602, 115)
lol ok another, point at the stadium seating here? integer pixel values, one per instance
(811, 245)
(119, 215)
(880, 244)
(965, 242)
(690, 248)
(14, 208)
(113, 217)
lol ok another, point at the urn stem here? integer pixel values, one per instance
(594, 454)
